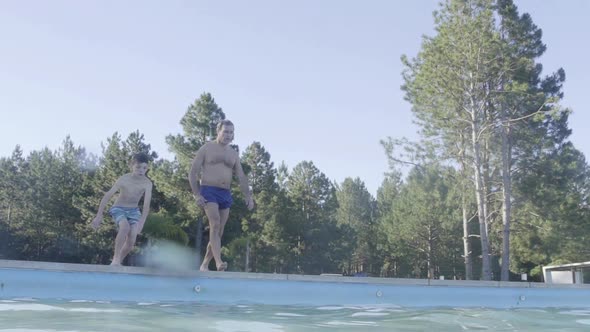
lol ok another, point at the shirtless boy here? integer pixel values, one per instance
(125, 212)
(210, 178)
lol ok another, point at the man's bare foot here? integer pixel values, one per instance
(222, 266)
(204, 268)
(113, 263)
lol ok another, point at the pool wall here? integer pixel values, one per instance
(43, 280)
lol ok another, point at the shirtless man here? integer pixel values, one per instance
(210, 178)
(125, 211)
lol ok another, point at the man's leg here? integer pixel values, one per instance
(212, 212)
(223, 216)
(128, 246)
(124, 229)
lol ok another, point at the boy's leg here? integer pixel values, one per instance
(130, 243)
(223, 216)
(120, 240)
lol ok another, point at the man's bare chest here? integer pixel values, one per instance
(220, 157)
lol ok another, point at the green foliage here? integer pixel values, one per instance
(356, 227)
(161, 226)
(553, 221)
(426, 221)
(314, 202)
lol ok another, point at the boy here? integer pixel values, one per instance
(125, 211)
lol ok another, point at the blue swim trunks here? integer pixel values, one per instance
(221, 196)
(131, 213)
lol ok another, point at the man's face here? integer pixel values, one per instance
(226, 134)
(140, 168)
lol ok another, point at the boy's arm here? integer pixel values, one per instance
(103, 202)
(244, 187)
(147, 198)
(107, 197)
(195, 175)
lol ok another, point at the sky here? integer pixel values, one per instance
(310, 80)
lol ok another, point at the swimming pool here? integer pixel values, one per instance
(25, 315)
(132, 298)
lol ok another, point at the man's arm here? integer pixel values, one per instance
(147, 198)
(244, 186)
(194, 176)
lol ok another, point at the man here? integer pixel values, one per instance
(210, 178)
(125, 211)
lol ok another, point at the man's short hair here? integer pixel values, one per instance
(222, 123)
(140, 158)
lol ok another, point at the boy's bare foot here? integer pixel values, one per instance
(204, 268)
(222, 266)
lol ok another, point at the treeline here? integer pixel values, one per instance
(494, 188)
(477, 92)
(303, 222)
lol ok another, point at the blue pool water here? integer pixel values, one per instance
(29, 315)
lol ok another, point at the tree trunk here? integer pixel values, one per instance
(466, 246)
(429, 255)
(480, 195)
(9, 214)
(247, 267)
(506, 197)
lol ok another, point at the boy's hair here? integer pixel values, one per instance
(140, 158)
(222, 123)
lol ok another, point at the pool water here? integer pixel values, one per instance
(30, 315)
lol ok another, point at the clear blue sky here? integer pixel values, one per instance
(310, 80)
